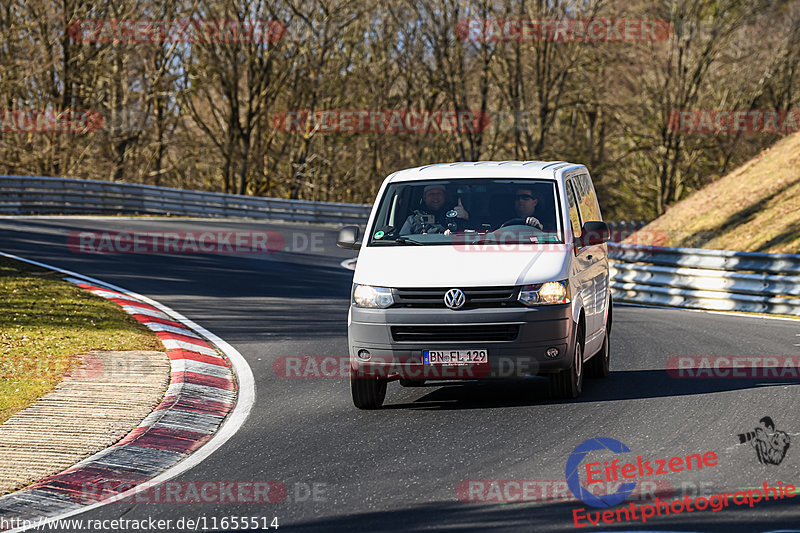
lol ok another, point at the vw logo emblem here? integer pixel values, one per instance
(454, 298)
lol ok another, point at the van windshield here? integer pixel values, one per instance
(514, 211)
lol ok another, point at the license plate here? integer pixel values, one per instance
(454, 357)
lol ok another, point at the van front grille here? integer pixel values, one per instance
(476, 297)
(471, 333)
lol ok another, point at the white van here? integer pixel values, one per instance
(480, 270)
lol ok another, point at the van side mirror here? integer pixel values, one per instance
(348, 238)
(593, 232)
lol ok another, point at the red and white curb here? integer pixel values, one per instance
(199, 412)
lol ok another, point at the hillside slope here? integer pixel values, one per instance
(755, 208)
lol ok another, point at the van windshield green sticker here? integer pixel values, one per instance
(379, 234)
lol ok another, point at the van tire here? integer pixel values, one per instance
(412, 382)
(568, 383)
(367, 392)
(599, 365)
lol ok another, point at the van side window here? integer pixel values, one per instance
(590, 210)
(574, 217)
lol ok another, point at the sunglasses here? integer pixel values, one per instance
(524, 197)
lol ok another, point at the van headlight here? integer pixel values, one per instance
(369, 296)
(552, 292)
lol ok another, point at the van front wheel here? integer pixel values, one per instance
(367, 392)
(599, 365)
(568, 383)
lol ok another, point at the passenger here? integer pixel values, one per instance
(432, 217)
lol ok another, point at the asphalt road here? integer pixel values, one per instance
(398, 468)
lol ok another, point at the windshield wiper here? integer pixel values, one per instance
(406, 240)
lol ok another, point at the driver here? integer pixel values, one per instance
(524, 205)
(432, 217)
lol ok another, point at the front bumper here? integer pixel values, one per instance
(538, 329)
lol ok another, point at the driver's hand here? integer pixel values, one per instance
(460, 211)
(533, 221)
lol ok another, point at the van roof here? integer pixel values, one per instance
(483, 169)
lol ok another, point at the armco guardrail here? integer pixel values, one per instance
(706, 279)
(39, 195)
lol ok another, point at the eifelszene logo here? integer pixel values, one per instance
(617, 471)
(574, 483)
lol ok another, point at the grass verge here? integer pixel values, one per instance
(755, 208)
(44, 323)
